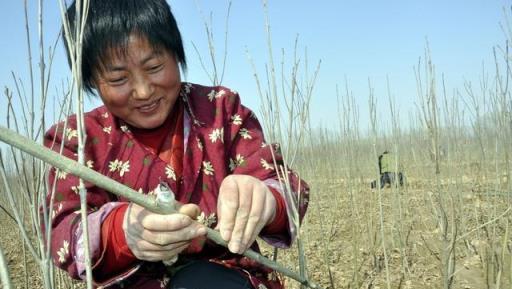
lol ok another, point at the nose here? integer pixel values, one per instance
(143, 88)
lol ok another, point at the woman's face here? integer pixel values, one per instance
(141, 87)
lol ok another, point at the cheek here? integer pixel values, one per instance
(114, 97)
(169, 77)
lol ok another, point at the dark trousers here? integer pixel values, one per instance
(208, 275)
(389, 178)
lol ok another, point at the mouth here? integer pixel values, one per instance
(149, 107)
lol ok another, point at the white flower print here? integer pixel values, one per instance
(105, 115)
(125, 167)
(266, 165)
(114, 165)
(75, 189)
(120, 166)
(169, 172)
(233, 163)
(236, 119)
(124, 128)
(240, 160)
(199, 144)
(187, 87)
(71, 133)
(245, 133)
(107, 129)
(90, 164)
(208, 168)
(62, 175)
(261, 286)
(63, 251)
(217, 134)
(214, 94)
(211, 95)
(57, 210)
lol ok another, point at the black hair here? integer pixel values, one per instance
(109, 25)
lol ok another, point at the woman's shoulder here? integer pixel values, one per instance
(209, 105)
(213, 99)
(203, 93)
(99, 116)
(96, 119)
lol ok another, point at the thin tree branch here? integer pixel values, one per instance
(87, 174)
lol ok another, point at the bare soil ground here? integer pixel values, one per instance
(342, 238)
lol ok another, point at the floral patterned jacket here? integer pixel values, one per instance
(221, 137)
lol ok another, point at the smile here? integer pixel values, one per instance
(150, 107)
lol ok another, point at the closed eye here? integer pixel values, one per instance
(156, 68)
(117, 81)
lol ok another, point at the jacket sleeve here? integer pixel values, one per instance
(63, 202)
(250, 154)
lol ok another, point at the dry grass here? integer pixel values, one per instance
(341, 231)
(351, 239)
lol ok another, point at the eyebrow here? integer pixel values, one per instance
(155, 53)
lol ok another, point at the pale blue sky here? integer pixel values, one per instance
(357, 40)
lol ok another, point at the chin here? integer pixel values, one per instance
(146, 124)
(159, 121)
(153, 124)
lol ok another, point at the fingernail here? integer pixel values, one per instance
(234, 247)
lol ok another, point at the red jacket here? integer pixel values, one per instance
(221, 137)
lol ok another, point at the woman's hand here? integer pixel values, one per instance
(245, 205)
(154, 237)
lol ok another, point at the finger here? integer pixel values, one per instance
(255, 221)
(227, 207)
(133, 215)
(246, 196)
(191, 210)
(145, 246)
(172, 222)
(268, 212)
(160, 238)
(155, 256)
(137, 244)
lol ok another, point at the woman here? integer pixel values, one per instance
(155, 130)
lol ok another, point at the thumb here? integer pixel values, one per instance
(191, 210)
